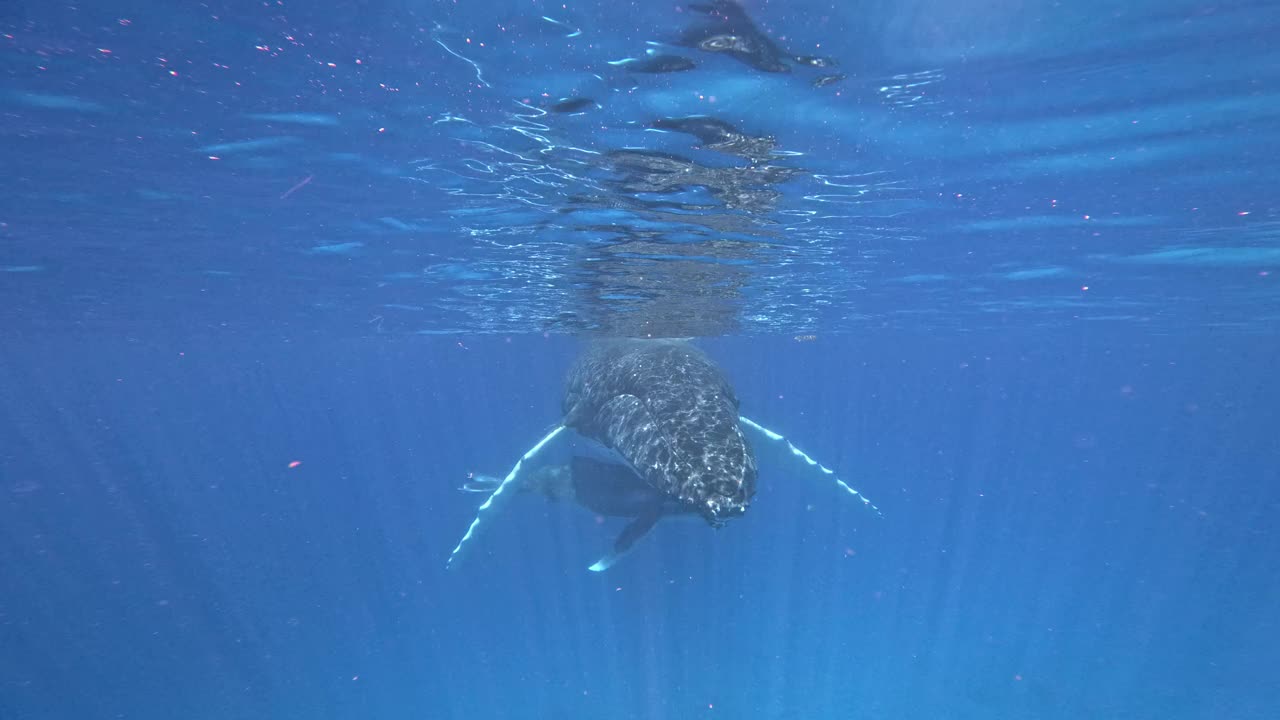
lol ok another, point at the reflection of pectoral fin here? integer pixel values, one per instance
(634, 530)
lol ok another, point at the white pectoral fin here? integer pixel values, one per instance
(490, 505)
(634, 530)
(803, 456)
(604, 563)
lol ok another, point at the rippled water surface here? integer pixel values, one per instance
(639, 168)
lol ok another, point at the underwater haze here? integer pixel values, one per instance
(281, 281)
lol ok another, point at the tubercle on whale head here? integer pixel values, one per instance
(713, 509)
(720, 509)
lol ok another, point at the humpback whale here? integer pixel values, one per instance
(669, 412)
(669, 416)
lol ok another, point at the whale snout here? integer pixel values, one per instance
(728, 497)
(717, 511)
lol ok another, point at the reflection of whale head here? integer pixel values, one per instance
(668, 411)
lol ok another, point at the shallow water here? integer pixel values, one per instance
(405, 167)
(275, 278)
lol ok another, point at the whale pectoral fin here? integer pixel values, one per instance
(801, 454)
(634, 530)
(489, 505)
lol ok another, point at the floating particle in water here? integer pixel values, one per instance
(295, 188)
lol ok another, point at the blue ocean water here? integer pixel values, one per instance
(277, 277)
